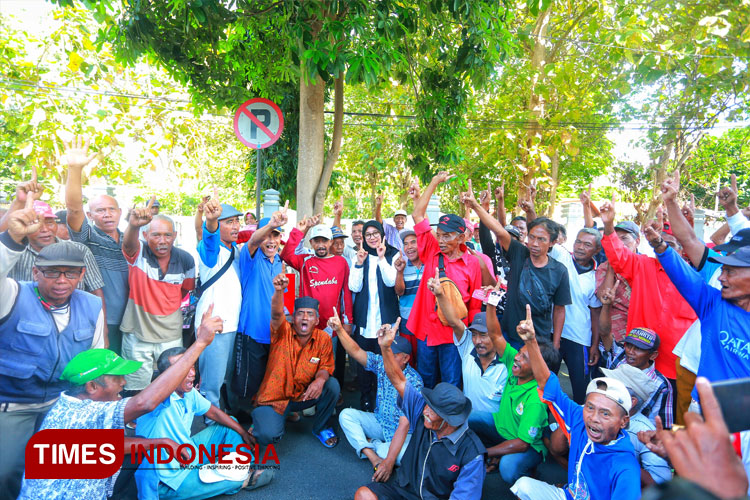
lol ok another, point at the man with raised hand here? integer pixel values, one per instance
(437, 356)
(444, 458)
(601, 460)
(43, 324)
(160, 276)
(391, 230)
(220, 285)
(99, 232)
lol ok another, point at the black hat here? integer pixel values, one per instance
(739, 240)
(480, 322)
(513, 231)
(61, 216)
(448, 402)
(60, 254)
(451, 223)
(740, 258)
(306, 303)
(401, 345)
(629, 227)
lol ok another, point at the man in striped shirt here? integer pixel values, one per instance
(160, 276)
(409, 275)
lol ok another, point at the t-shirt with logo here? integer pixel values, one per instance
(522, 414)
(326, 280)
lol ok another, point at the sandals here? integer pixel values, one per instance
(258, 479)
(325, 435)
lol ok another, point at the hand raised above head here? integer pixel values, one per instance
(76, 153)
(280, 282)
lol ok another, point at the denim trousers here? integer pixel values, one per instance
(576, 358)
(213, 364)
(438, 363)
(359, 426)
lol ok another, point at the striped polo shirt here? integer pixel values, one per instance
(153, 311)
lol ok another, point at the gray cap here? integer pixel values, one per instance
(448, 402)
(406, 232)
(228, 211)
(480, 322)
(630, 227)
(740, 258)
(60, 254)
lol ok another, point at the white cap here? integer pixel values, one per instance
(400, 212)
(321, 231)
(634, 379)
(232, 470)
(613, 389)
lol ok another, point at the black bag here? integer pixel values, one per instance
(533, 292)
(188, 312)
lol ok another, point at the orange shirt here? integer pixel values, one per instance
(291, 367)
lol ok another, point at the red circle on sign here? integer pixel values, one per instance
(244, 109)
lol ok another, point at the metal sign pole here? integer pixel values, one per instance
(257, 181)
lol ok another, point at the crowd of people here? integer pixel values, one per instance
(456, 332)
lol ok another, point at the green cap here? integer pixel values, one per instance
(93, 363)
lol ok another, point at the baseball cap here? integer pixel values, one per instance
(60, 254)
(236, 471)
(401, 344)
(740, 258)
(480, 322)
(469, 225)
(321, 231)
(44, 210)
(400, 212)
(513, 231)
(92, 363)
(406, 232)
(336, 232)
(155, 204)
(634, 379)
(739, 240)
(264, 222)
(451, 223)
(228, 211)
(630, 227)
(612, 389)
(645, 338)
(61, 216)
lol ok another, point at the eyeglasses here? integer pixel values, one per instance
(372, 236)
(52, 274)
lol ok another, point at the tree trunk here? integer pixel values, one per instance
(333, 152)
(555, 181)
(311, 143)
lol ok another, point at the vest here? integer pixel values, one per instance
(32, 352)
(429, 469)
(389, 310)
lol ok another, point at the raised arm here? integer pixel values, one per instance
(458, 326)
(585, 197)
(399, 264)
(338, 212)
(527, 205)
(607, 298)
(681, 228)
(378, 215)
(29, 189)
(351, 347)
(728, 197)
(76, 157)
(500, 204)
(420, 205)
(278, 219)
(494, 330)
(165, 384)
(503, 237)
(525, 330)
(137, 218)
(720, 235)
(198, 219)
(395, 374)
(280, 282)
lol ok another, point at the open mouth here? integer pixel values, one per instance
(595, 433)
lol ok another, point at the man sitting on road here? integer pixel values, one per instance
(173, 419)
(444, 457)
(382, 435)
(299, 371)
(602, 463)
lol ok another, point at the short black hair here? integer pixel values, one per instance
(561, 230)
(549, 225)
(550, 355)
(162, 364)
(518, 217)
(358, 223)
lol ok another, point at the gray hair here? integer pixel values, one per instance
(595, 233)
(147, 228)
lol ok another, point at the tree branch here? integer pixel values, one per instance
(333, 152)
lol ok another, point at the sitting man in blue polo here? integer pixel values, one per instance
(173, 419)
(444, 459)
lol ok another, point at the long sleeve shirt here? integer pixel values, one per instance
(655, 303)
(738, 222)
(356, 282)
(725, 327)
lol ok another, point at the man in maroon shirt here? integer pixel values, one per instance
(437, 356)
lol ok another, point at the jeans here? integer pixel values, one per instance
(16, 428)
(576, 358)
(250, 359)
(269, 425)
(511, 466)
(438, 362)
(213, 364)
(368, 381)
(114, 337)
(358, 426)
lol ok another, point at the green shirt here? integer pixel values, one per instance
(522, 414)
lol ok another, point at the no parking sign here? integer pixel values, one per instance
(258, 123)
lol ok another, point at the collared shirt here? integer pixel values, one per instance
(226, 292)
(392, 236)
(483, 387)
(725, 327)
(412, 279)
(522, 415)
(172, 419)
(112, 265)
(652, 463)
(655, 302)
(72, 413)
(660, 402)
(619, 308)
(292, 367)
(257, 272)
(153, 313)
(356, 282)
(386, 402)
(92, 278)
(465, 273)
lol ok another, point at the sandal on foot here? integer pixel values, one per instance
(258, 479)
(325, 435)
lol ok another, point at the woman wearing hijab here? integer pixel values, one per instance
(372, 278)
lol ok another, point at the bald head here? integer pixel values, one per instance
(105, 212)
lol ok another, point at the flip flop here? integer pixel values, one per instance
(325, 435)
(258, 479)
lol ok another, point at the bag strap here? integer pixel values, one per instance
(204, 286)
(441, 266)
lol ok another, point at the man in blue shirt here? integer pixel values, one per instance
(257, 270)
(602, 462)
(444, 457)
(382, 435)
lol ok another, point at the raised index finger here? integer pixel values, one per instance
(286, 206)
(29, 202)
(151, 202)
(528, 312)
(733, 179)
(33, 173)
